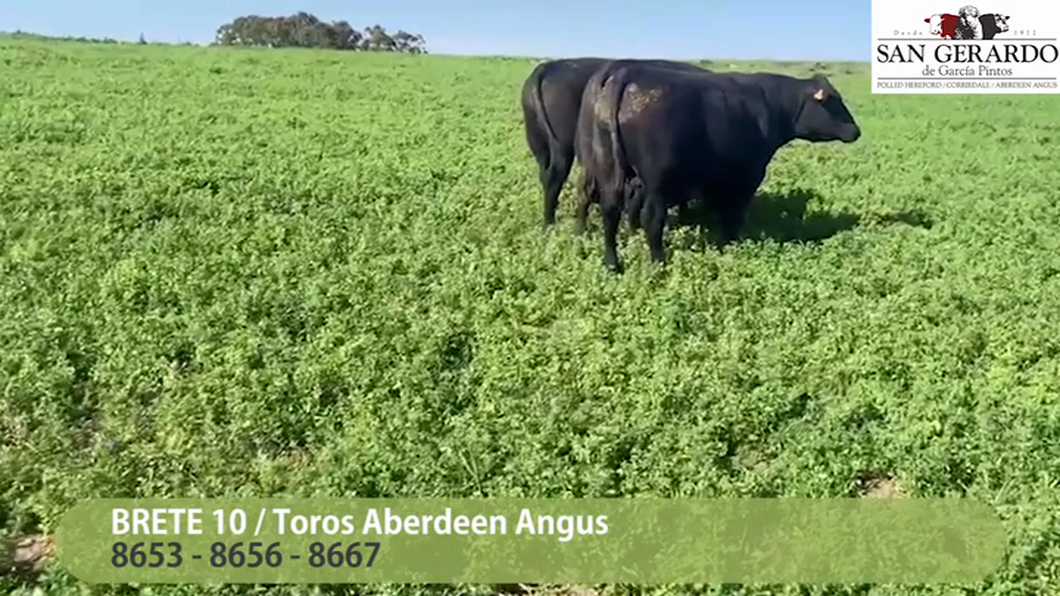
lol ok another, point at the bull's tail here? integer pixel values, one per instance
(618, 79)
(538, 100)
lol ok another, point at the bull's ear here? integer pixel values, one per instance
(927, 20)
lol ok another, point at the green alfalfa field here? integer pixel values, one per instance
(244, 272)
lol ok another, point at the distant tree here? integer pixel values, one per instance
(376, 39)
(305, 30)
(409, 43)
(345, 36)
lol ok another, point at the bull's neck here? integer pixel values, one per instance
(784, 108)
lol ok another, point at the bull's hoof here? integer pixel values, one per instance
(724, 245)
(658, 263)
(616, 268)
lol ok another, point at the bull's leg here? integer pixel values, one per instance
(589, 195)
(611, 207)
(636, 204)
(683, 213)
(552, 179)
(699, 214)
(653, 217)
(732, 213)
(540, 148)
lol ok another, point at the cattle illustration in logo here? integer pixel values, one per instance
(967, 24)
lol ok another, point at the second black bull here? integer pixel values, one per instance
(688, 135)
(551, 98)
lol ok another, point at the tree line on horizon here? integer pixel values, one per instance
(300, 30)
(304, 30)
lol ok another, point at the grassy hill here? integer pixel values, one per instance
(252, 272)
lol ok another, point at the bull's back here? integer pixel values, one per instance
(654, 92)
(669, 65)
(660, 108)
(560, 84)
(639, 69)
(550, 87)
(568, 84)
(690, 118)
(734, 132)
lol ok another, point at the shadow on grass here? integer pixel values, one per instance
(782, 217)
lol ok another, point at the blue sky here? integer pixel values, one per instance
(681, 29)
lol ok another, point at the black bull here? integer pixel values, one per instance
(687, 135)
(551, 97)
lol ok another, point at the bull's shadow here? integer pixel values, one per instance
(782, 217)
